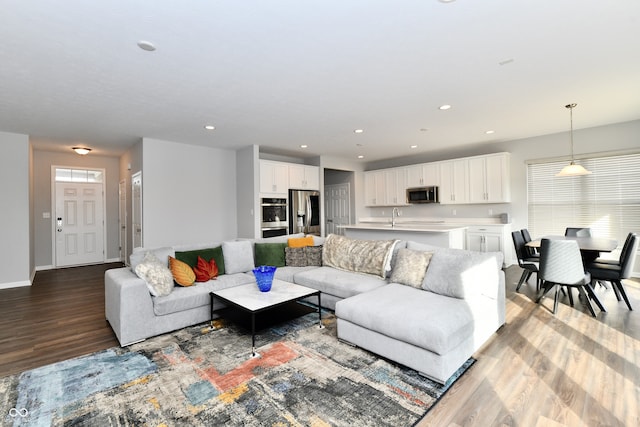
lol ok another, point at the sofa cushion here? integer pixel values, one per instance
(287, 273)
(182, 299)
(155, 274)
(343, 284)
(191, 256)
(361, 256)
(460, 273)
(437, 323)
(183, 274)
(410, 267)
(270, 254)
(238, 256)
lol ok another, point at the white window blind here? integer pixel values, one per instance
(607, 201)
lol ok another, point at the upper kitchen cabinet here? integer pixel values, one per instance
(426, 174)
(374, 188)
(274, 178)
(395, 187)
(454, 182)
(304, 177)
(489, 179)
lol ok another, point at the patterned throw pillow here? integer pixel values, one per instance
(182, 273)
(295, 257)
(205, 271)
(313, 255)
(155, 274)
(410, 267)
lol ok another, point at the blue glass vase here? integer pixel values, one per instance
(264, 277)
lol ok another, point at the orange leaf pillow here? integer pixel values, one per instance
(182, 273)
(300, 242)
(206, 271)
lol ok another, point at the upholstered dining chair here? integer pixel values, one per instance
(528, 265)
(561, 266)
(616, 272)
(577, 232)
(533, 252)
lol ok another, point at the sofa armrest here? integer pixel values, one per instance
(128, 304)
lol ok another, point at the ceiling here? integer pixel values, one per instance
(282, 73)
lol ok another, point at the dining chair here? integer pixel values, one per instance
(617, 272)
(533, 252)
(525, 262)
(577, 232)
(561, 266)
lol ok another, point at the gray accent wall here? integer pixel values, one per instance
(188, 192)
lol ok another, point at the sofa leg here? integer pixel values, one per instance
(347, 343)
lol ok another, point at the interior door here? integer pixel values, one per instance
(337, 207)
(122, 219)
(79, 223)
(136, 209)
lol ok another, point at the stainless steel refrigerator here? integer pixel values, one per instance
(304, 212)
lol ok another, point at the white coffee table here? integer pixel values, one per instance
(248, 298)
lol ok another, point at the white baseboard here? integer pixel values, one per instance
(15, 284)
(113, 260)
(44, 267)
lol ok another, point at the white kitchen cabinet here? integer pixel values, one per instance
(491, 238)
(395, 187)
(425, 174)
(454, 182)
(274, 178)
(304, 177)
(489, 180)
(374, 188)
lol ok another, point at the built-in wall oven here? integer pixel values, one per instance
(274, 217)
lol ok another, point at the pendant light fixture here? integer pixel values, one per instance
(572, 169)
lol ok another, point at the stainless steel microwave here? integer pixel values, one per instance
(422, 195)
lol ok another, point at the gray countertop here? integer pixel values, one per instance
(422, 228)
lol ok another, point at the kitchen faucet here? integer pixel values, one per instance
(394, 213)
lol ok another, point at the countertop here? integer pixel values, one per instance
(423, 228)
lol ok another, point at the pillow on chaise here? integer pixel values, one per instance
(313, 255)
(410, 267)
(155, 274)
(270, 254)
(295, 257)
(300, 242)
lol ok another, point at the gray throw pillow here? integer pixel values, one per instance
(313, 255)
(238, 256)
(156, 275)
(410, 267)
(295, 257)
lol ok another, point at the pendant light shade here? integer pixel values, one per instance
(572, 169)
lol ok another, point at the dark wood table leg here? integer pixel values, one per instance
(253, 334)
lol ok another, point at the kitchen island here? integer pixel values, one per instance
(437, 234)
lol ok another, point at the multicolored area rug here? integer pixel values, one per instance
(204, 376)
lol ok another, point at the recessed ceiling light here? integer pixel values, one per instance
(446, 1)
(489, 132)
(358, 131)
(423, 129)
(414, 146)
(145, 45)
(304, 146)
(506, 61)
(445, 107)
(209, 127)
(361, 156)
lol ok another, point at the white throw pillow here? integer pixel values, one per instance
(238, 256)
(156, 275)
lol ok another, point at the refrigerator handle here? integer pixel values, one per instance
(309, 215)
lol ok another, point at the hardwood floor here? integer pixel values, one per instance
(538, 370)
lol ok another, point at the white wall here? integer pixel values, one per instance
(16, 264)
(189, 193)
(248, 186)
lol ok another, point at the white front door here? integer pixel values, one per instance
(337, 207)
(79, 223)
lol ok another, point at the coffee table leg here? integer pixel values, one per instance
(253, 335)
(319, 312)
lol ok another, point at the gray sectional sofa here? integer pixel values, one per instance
(432, 323)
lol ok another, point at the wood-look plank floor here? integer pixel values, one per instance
(538, 370)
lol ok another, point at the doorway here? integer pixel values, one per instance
(136, 209)
(78, 224)
(337, 207)
(122, 219)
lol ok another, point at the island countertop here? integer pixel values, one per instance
(420, 228)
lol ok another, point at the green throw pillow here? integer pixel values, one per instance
(270, 254)
(191, 257)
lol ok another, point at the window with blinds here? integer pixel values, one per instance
(607, 201)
